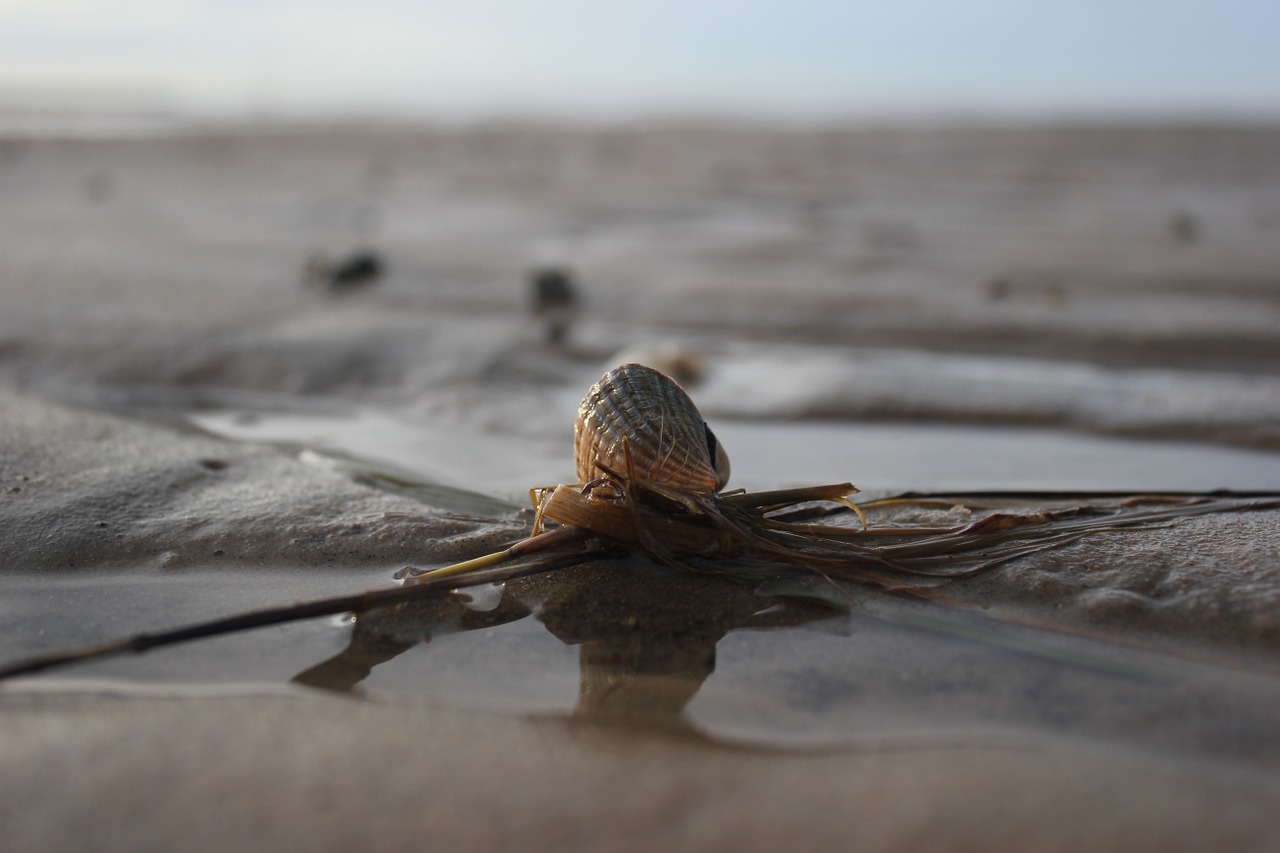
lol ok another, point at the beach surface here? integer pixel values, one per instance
(192, 428)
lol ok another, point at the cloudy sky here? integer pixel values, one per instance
(790, 57)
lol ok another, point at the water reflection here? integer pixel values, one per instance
(649, 640)
(646, 635)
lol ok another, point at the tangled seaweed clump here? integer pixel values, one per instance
(653, 475)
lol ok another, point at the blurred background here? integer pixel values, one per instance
(811, 59)
(993, 213)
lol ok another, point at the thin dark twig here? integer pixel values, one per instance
(422, 588)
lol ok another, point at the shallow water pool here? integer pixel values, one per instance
(876, 457)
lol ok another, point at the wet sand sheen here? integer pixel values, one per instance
(403, 772)
(708, 656)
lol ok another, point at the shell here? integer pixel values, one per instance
(638, 422)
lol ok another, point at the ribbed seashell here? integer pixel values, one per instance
(665, 438)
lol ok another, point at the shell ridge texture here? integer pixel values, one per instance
(636, 414)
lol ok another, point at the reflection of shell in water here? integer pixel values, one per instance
(665, 438)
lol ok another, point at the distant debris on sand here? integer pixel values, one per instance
(554, 300)
(358, 269)
(682, 363)
(1183, 227)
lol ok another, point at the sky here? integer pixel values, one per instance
(789, 58)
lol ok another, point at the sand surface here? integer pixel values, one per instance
(293, 772)
(180, 416)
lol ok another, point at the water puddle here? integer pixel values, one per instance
(894, 457)
(704, 655)
(875, 457)
(457, 457)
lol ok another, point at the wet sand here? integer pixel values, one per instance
(1107, 281)
(269, 772)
